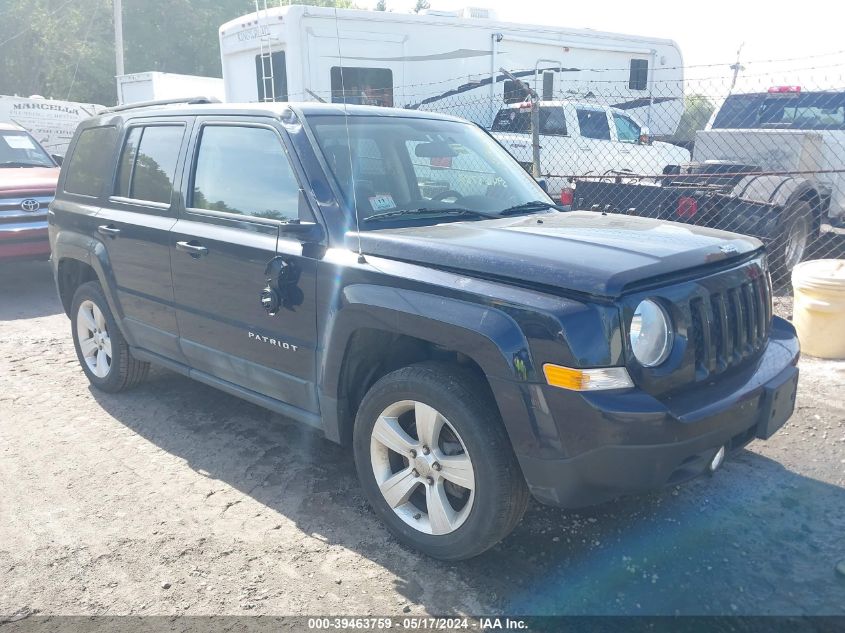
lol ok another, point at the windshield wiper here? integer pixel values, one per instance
(527, 207)
(426, 211)
(17, 163)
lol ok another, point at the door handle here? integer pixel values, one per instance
(109, 230)
(584, 149)
(193, 248)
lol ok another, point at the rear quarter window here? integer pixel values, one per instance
(91, 164)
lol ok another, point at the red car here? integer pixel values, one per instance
(28, 176)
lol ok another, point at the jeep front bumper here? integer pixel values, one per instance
(586, 448)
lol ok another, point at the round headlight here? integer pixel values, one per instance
(651, 334)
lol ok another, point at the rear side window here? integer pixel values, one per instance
(790, 111)
(90, 165)
(593, 124)
(148, 163)
(244, 170)
(518, 120)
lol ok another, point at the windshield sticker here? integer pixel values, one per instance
(18, 141)
(382, 202)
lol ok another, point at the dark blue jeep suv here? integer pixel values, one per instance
(397, 281)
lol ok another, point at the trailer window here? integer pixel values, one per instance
(548, 86)
(272, 77)
(362, 86)
(514, 92)
(638, 78)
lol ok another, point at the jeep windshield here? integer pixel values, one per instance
(393, 169)
(19, 149)
(786, 110)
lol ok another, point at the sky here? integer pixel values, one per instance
(707, 32)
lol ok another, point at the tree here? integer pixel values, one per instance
(421, 5)
(381, 5)
(697, 111)
(64, 49)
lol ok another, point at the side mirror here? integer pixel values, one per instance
(57, 158)
(645, 136)
(544, 185)
(298, 227)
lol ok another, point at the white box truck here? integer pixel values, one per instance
(155, 86)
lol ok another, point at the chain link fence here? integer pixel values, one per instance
(760, 158)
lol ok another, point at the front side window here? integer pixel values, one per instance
(593, 124)
(362, 86)
(626, 130)
(19, 149)
(245, 171)
(428, 169)
(91, 163)
(148, 163)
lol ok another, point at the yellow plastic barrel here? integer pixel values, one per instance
(819, 308)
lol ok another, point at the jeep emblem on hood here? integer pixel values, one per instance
(30, 205)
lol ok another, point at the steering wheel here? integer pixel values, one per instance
(447, 193)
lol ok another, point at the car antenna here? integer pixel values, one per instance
(361, 259)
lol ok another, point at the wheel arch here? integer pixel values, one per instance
(79, 259)
(381, 329)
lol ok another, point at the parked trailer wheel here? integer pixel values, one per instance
(792, 240)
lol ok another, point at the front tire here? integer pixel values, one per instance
(435, 461)
(100, 347)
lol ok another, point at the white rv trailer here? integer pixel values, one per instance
(448, 62)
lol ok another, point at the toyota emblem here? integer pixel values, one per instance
(30, 205)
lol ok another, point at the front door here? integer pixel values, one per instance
(239, 188)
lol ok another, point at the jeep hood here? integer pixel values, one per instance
(581, 251)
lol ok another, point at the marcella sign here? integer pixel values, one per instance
(51, 122)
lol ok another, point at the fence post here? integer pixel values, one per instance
(535, 122)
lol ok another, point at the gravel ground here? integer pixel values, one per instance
(178, 499)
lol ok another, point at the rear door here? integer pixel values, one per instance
(239, 186)
(134, 226)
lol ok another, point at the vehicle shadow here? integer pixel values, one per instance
(753, 539)
(27, 291)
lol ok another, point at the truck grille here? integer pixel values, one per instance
(731, 326)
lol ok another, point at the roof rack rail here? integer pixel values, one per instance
(161, 102)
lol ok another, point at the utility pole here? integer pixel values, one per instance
(737, 67)
(118, 37)
(535, 122)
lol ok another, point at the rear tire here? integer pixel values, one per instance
(435, 461)
(792, 241)
(100, 347)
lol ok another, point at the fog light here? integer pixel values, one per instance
(718, 460)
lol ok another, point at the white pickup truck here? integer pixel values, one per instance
(583, 139)
(787, 132)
